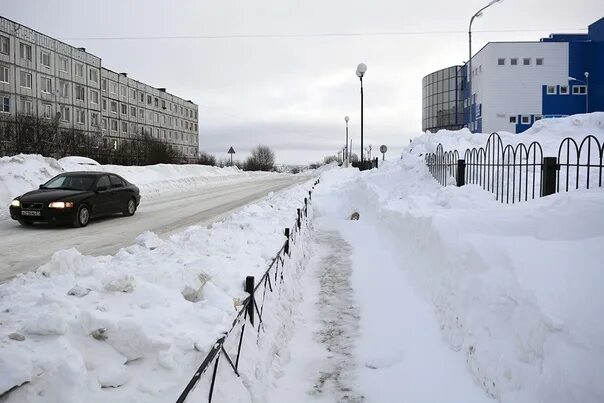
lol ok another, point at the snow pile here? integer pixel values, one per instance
(548, 132)
(135, 326)
(516, 288)
(23, 173)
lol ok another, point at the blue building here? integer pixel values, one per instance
(515, 84)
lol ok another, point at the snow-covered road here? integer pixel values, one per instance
(26, 248)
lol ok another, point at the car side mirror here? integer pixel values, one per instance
(101, 188)
(41, 187)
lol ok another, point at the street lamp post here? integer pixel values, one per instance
(346, 156)
(469, 71)
(361, 69)
(586, 82)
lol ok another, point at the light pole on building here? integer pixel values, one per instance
(469, 69)
(361, 69)
(586, 82)
(346, 156)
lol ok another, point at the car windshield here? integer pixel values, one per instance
(70, 182)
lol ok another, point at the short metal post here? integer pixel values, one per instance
(549, 167)
(310, 195)
(461, 172)
(287, 242)
(249, 288)
(299, 219)
(305, 207)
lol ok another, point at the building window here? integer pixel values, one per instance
(64, 85)
(564, 90)
(124, 127)
(94, 97)
(113, 107)
(46, 85)
(132, 93)
(551, 90)
(149, 99)
(104, 123)
(79, 93)
(539, 61)
(526, 61)
(104, 104)
(45, 58)
(579, 90)
(537, 117)
(94, 119)
(25, 51)
(94, 75)
(4, 45)
(79, 70)
(46, 111)
(113, 125)
(103, 85)
(514, 62)
(156, 118)
(5, 104)
(123, 91)
(142, 97)
(526, 119)
(25, 81)
(26, 106)
(4, 74)
(163, 104)
(133, 111)
(63, 64)
(141, 113)
(81, 116)
(124, 109)
(156, 103)
(113, 88)
(65, 113)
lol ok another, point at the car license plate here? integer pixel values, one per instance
(31, 213)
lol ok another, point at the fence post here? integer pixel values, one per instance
(305, 207)
(461, 172)
(287, 242)
(549, 167)
(310, 195)
(299, 219)
(249, 288)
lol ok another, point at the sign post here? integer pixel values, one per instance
(231, 151)
(383, 150)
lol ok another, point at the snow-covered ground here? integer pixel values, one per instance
(434, 294)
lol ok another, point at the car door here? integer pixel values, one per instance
(119, 193)
(102, 197)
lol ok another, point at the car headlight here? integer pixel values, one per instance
(15, 203)
(61, 205)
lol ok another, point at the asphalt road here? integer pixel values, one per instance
(26, 248)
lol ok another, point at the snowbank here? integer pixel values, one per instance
(516, 288)
(22, 173)
(548, 132)
(135, 326)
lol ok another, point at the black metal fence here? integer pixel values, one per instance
(229, 345)
(519, 173)
(366, 164)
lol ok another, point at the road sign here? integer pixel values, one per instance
(231, 151)
(383, 150)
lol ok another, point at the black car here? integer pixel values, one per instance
(75, 197)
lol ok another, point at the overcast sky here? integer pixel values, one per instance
(292, 93)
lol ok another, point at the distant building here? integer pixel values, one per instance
(44, 77)
(515, 84)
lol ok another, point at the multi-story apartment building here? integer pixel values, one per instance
(45, 77)
(514, 84)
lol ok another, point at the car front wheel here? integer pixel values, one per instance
(82, 216)
(130, 208)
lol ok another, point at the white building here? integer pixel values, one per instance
(44, 77)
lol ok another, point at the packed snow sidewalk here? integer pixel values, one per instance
(461, 298)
